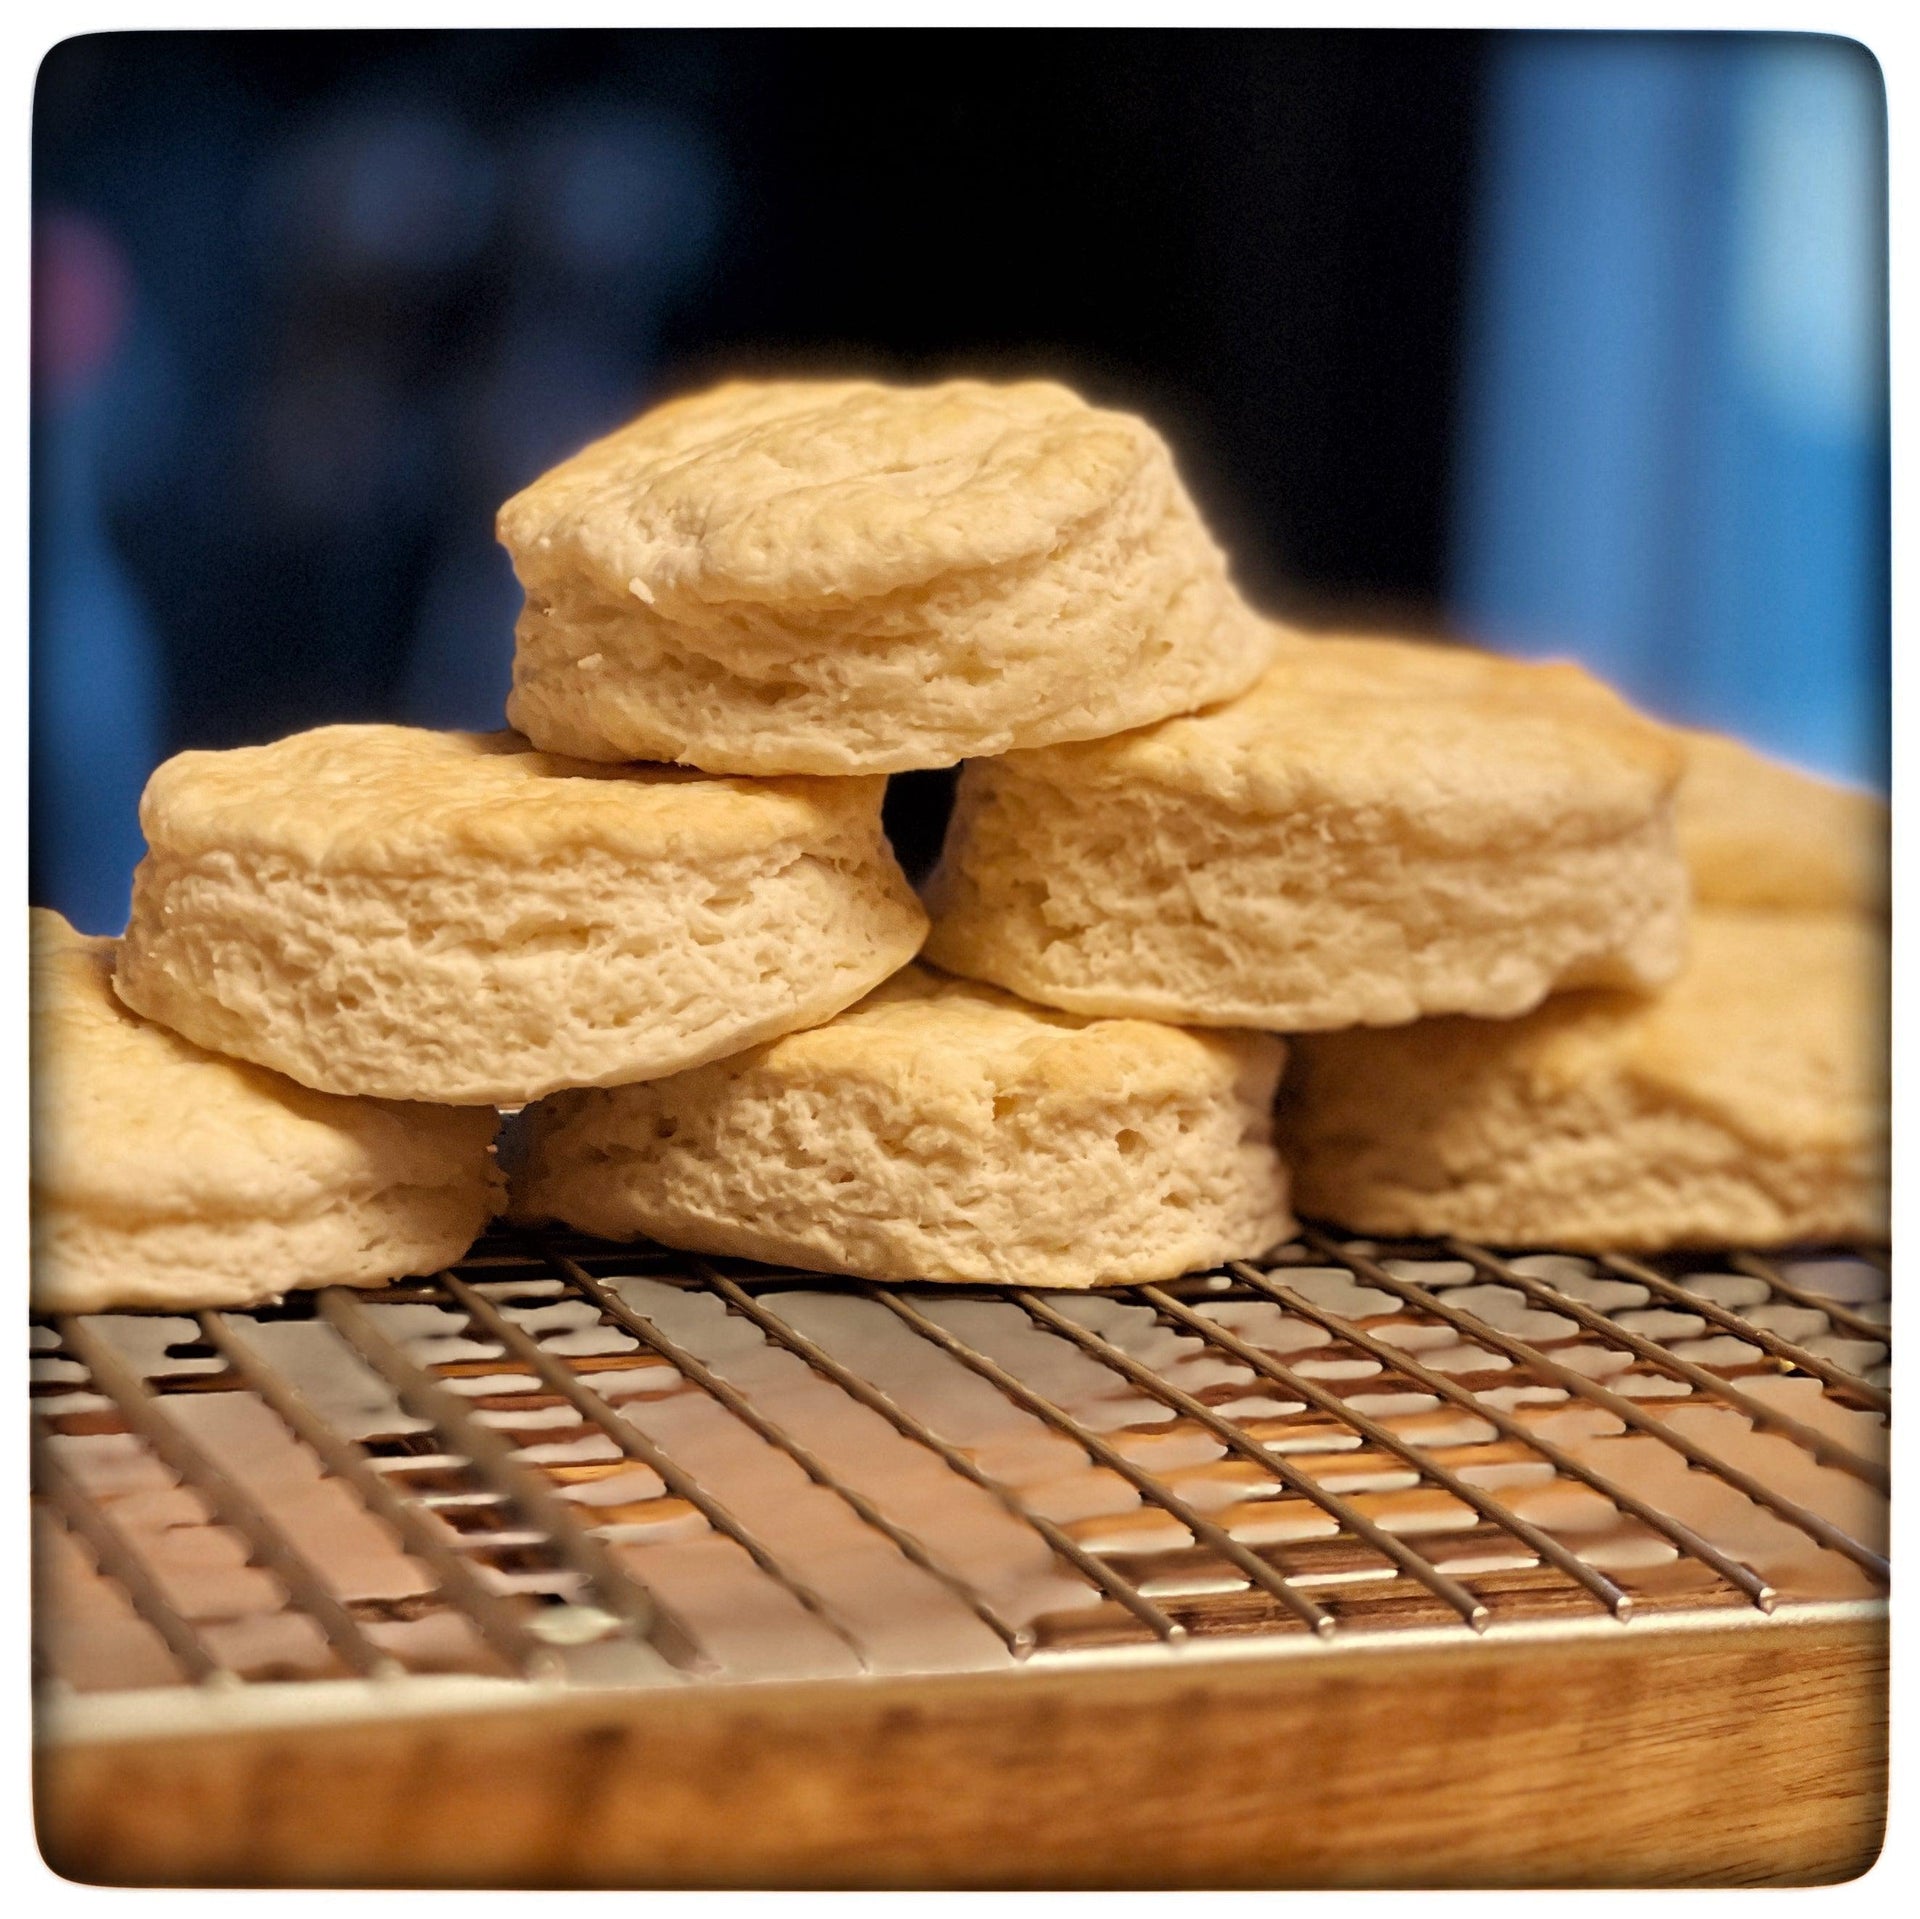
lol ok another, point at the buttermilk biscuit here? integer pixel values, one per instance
(1746, 1105)
(1757, 833)
(939, 1130)
(166, 1176)
(1379, 830)
(841, 577)
(451, 917)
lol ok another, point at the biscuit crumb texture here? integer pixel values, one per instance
(843, 577)
(451, 917)
(1745, 1106)
(1378, 831)
(941, 1131)
(165, 1176)
(1758, 833)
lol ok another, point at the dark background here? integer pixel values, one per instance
(309, 306)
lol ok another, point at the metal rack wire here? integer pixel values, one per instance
(1346, 1438)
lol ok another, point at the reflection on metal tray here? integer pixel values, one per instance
(607, 1468)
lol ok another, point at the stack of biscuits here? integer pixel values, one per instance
(1550, 971)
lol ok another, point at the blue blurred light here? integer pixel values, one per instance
(383, 187)
(94, 718)
(621, 194)
(1674, 445)
(94, 710)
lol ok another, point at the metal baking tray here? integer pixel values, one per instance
(583, 1564)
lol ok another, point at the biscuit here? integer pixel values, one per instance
(1746, 1105)
(452, 917)
(1757, 833)
(163, 1175)
(842, 577)
(939, 1130)
(1379, 830)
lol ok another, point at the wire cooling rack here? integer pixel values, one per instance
(605, 1465)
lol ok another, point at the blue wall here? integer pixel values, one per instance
(1674, 428)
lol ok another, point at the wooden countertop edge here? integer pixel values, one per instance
(181, 1711)
(1698, 1748)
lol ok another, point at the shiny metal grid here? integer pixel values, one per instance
(1345, 1438)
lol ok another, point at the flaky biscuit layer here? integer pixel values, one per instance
(166, 1175)
(942, 1131)
(453, 917)
(1377, 831)
(1759, 833)
(1745, 1105)
(842, 577)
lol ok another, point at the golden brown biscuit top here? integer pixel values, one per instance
(402, 799)
(1776, 1029)
(134, 1122)
(816, 491)
(1759, 833)
(953, 1047)
(1456, 744)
